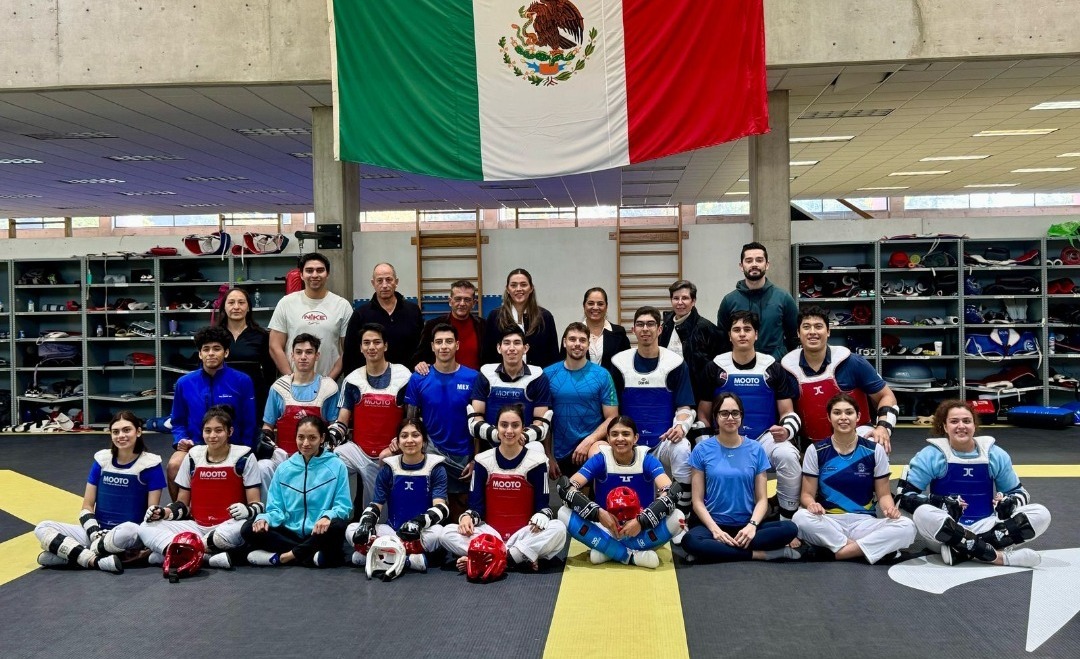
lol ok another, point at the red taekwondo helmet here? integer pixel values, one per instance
(486, 558)
(183, 556)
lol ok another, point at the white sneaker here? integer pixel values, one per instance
(358, 558)
(1021, 557)
(220, 561)
(156, 559)
(48, 559)
(946, 555)
(596, 557)
(678, 537)
(110, 564)
(416, 562)
(645, 558)
(262, 557)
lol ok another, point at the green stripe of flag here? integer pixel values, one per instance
(407, 92)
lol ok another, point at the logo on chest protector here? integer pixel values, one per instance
(506, 485)
(818, 391)
(743, 381)
(504, 393)
(372, 401)
(643, 381)
(114, 480)
(969, 472)
(214, 474)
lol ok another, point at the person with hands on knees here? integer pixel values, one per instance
(843, 476)
(765, 390)
(639, 514)
(219, 489)
(372, 401)
(583, 401)
(308, 507)
(511, 381)
(214, 383)
(509, 498)
(124, 479)
(654, 388)
(412, 488)
(442, 398)
(729, 494)
(965, 497)
(293, 397)
(822, 371)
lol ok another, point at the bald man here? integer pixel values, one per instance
(400, 319)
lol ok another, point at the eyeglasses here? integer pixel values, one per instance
(648, 324)
(461, 300)
(729, 414)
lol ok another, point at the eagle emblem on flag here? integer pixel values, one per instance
(549, 46)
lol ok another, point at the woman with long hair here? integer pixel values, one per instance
(250, 349)
(124, 480)
(520, 309)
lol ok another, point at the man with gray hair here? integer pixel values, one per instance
(401, 321)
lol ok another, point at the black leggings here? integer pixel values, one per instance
(770, 535)
(279, 540)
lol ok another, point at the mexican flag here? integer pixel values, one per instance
(513, 89)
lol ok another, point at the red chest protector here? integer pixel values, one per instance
(290, 419)
(215, 487)
(509, 497)
(816, 390)
(376, 415)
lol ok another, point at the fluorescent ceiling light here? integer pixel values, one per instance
(1015, 132)
(208, 179)
(264, 191)
(302, 154)
(20, 161)
(992, 185)
(272, 132)
(803, 163)
(200, 205)
(744, 180)
(1057, 105)
(886, 187)
(823, 138)
(1072, 154)
(163, 156)
(85, 135)
(936, 158)
(94, 180)
(20, 196)
(735, 194)
(146, 194)
(1038, 170)
(929, 172)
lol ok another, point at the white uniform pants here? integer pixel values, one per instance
(357, 462)
(429, 537)
(784, 458)
(675, 456)
(928, 521)
(157, 535)
(878, 537)
(125, 535)
(267, 469)
(544, 544)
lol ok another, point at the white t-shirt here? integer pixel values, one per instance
(327, 319)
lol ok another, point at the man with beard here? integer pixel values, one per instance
(775, 308)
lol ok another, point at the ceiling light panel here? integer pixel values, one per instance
(302, 154)
(847, 114)
(1018, 132)
(208, 179)
(1057, 105)
(200, 205)
(1039, 170)
(273, 132)
(146, 158)
(930, 172)
(885, 187)
(85, 135)
(265, 191)
(20, 161)
(823, 138)
(148, 193)
(992, 185)
(803, 163)
(94, 180)
(944, 158)
(20, 196)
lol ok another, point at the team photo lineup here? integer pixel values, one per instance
(368, 437)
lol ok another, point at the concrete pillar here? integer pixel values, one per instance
(337, 198)
(770, 190)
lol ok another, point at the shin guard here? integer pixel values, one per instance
(964, 543)
(1013, 531)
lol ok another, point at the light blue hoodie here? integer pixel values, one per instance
(304, 491)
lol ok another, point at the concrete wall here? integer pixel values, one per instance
(78, 43)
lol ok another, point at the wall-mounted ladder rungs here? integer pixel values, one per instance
(431, 251)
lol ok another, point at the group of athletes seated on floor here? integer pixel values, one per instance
(623, 467)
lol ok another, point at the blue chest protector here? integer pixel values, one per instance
(631, 475)
(503, 393)
(646, 396)
(750, 385)
(121, 496)
(411, 493)
(967, 477)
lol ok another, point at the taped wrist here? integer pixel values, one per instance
(179, 510)
(887, 418)
(684, 418)
(473, 515)
(661, 507)
(256, 508)
(434, 515)
(791, 423)
(89, 523)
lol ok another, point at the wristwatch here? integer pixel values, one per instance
(753, 523)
